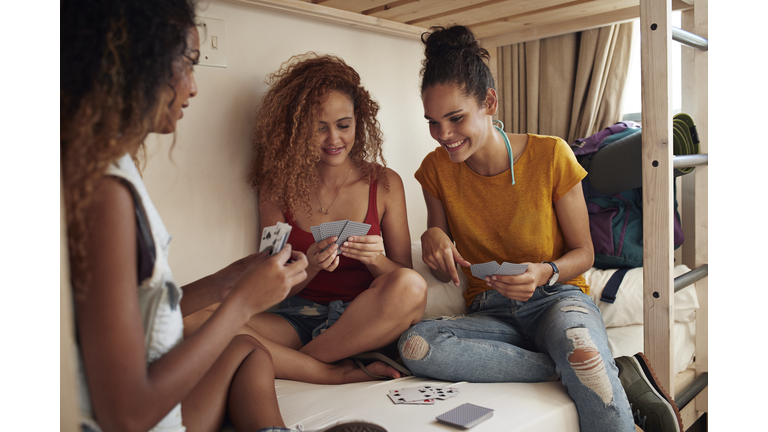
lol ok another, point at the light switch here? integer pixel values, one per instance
(213, 42)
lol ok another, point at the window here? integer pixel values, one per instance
(632, 100)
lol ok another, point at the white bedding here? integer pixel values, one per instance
(518, 407)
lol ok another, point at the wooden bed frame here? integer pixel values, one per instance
(501, 23)
(656, 38)
(658, 161)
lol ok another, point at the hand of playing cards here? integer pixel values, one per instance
(274, 237)
(342, 229)
(423, 395)
(491, 268)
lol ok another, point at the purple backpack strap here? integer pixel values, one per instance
(592, 143)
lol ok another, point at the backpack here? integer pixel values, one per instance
(614, 195)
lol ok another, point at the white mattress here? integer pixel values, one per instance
(518, 407)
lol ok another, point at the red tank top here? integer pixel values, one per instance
(351, 277)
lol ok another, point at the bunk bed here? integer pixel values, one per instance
(674, 334)
(547, 406)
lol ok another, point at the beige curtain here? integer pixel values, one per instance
(568, 86)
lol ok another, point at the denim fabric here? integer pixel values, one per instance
(308, 318)
(503, 340)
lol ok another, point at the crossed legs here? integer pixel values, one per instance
(242, 384)
(376, 318)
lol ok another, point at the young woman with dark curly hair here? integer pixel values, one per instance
(526, 206)
(319, 159)
(127, 71)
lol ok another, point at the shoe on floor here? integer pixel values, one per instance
(652, 407)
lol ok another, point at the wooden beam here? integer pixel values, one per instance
(689, 415)
(658, 284)
(454, 11)
(387, 7)
(531, 12)
(701, 177)
(337, 16)
(560, 28)
(352, 5)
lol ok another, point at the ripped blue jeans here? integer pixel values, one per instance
(503, 340)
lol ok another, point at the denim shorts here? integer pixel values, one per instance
(308, 318)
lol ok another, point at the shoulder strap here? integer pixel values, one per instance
(612, 287)
(591, 144)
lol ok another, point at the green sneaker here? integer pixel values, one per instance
(652, 408)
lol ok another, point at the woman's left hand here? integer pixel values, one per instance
(365, 248)
(520, 287)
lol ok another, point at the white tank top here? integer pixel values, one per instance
(159, 299)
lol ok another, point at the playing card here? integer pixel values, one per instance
(274, 238)
(330, 229)
(480, 271)
(352, 228)
(509, 269)
(444, 393)
(417, 393)
(465, 416)
(316, 233)
(400, 400)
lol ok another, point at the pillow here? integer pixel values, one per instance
(443, 298)
(628, 307)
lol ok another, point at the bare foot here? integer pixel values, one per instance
(381, 368)
(352, 373)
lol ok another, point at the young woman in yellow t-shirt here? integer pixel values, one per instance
(514, 198)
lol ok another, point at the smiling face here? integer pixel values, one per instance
(336, 127)
(183, 83)
(456, 121)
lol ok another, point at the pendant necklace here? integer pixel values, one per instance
(324, 210)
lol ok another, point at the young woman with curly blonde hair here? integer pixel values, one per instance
(319, 159)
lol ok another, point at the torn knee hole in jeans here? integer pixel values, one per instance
(574, 309)
(415, 348)
(591, 372)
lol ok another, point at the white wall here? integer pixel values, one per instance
(201, 190)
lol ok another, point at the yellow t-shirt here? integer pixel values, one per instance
(492, 220)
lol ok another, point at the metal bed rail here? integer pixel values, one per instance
(690, 39)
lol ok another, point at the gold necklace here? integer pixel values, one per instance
(324, 210)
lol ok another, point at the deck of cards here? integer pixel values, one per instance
(274, 238)
(422, 395)
(465, 416)
(342, 229)
(481, 271)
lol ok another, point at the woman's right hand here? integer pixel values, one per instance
(439, 253)
(320, 259)
(269, 279)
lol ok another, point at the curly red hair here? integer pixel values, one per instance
(286, 128)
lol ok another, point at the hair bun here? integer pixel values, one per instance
(457, 39)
